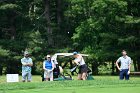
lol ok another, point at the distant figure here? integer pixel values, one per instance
(79, 60)
(125, 65)
(26, 67)
(48, 67)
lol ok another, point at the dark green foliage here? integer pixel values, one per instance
(101, 28)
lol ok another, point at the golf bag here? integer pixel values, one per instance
(59, 76)
(56, 72)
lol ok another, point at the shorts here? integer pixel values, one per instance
(124, 73)
(48, 74)
(83, 69)
(26, 75)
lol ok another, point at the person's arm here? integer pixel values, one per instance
(30, 63)
(129, 68)
(77, 61)
(118, 64)
(23, 63)
(61, 69)
(44, 66)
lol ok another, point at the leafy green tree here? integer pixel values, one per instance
(103, 31)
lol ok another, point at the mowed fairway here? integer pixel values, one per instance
(101, 84)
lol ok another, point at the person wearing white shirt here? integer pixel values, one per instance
(79, 60)
(125, 65)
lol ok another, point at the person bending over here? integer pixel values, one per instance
(79, 60)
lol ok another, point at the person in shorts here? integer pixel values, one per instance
(26, 67)
(48, 67)
(124, 69)
(79, 60)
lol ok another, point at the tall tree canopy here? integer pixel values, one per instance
(101, 28)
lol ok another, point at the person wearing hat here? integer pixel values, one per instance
(125, 65)
(79, 60)
(48, 67)
(26, 67)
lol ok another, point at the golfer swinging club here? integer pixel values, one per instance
(82, 66)
(125, 65)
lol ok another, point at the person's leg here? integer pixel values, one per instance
(84, 76)
(126, 75)
(46, 75)
(51, 76)
(84, 72)
(122, 75)
(79, 76)
(29, 76)
(24, 74)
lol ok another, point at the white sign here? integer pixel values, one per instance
(12, 77)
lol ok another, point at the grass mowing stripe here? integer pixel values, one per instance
(78, 90)
(93, 83)
(99, 82)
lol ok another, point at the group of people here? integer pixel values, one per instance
(27, 63)
(49, 66)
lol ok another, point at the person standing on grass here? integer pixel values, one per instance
(124, 69)
(48, 67)
(79, 60)
(26, 67)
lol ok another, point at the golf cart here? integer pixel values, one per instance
(58, 71)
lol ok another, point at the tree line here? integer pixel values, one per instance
(100, 28)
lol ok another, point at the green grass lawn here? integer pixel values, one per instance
(101, 84)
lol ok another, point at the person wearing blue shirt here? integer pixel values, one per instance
(26, 67)
(48, 67)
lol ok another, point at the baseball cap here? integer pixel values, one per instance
(75, 53)
(48, 56)
(26, 53)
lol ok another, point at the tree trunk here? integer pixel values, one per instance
(59, 21)
(135, 65)
(13, 32)
(12, 26)
(59, 12)
(1, 68)
(95, 68)
(138, 64)
(49, 28)
(113, 68)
